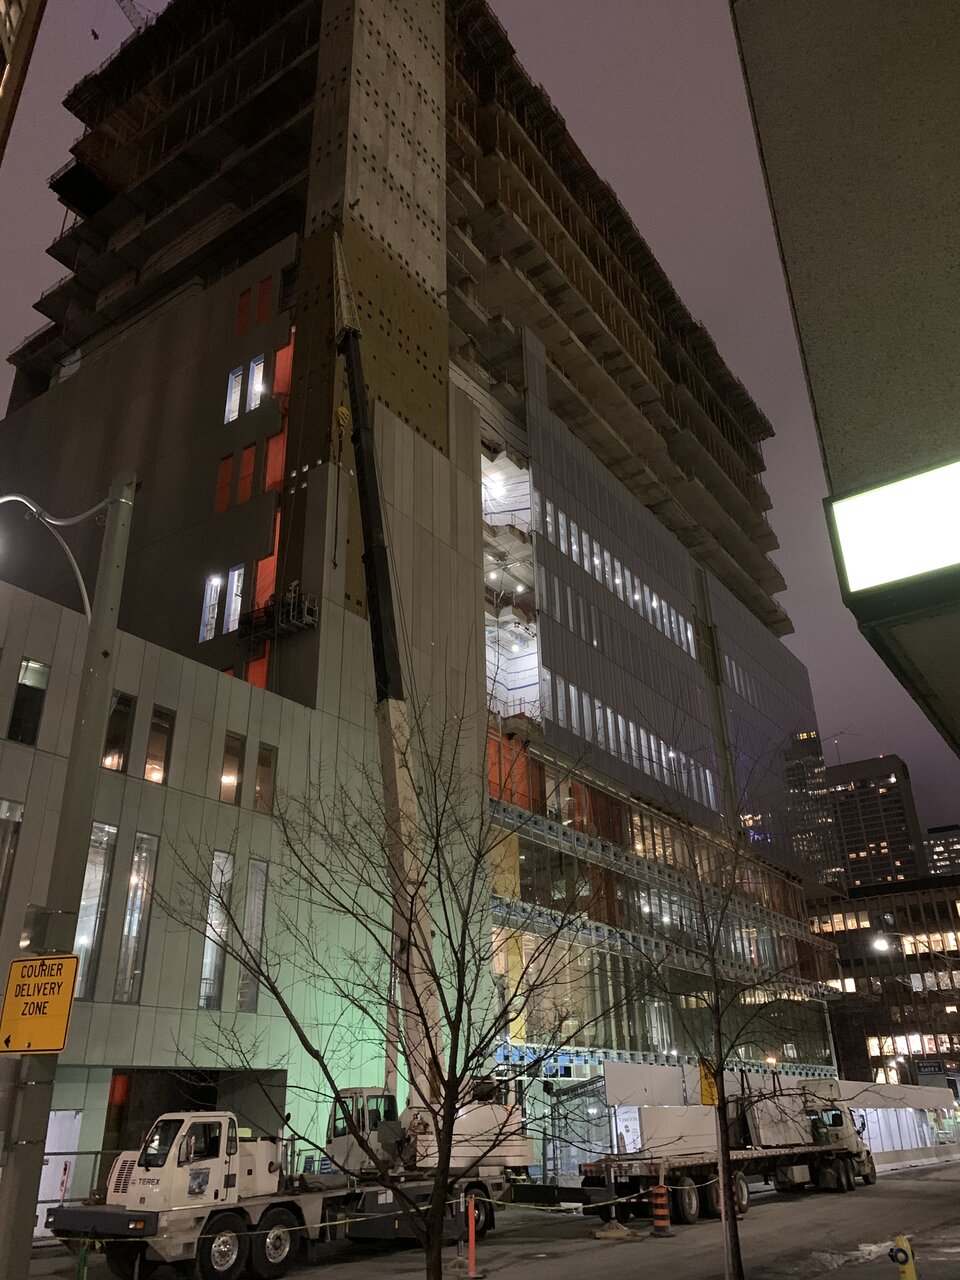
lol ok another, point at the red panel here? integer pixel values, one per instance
(259, 668)
(227, 671)
(276, 455)
(243, 313)
(266, 584)
(119, 1089)
(245, 484)
(224, 481)
(263, 300)
(507, 773)
(283, 367)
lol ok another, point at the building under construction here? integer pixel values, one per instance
(572, 477)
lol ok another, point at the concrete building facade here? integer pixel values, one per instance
(572, 483)
(894, 1016)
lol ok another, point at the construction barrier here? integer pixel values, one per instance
(660, 1208)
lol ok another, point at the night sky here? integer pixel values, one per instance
(652, 92)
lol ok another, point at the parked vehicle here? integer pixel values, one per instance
(215, 1204)
(785, 1136)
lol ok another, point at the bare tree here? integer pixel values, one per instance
(419, 940)
(738, 985)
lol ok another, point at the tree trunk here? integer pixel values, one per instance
(731, 1225)
(433, 1250)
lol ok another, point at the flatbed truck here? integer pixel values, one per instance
(824, 1149)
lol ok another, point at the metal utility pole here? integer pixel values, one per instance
(20, 1176)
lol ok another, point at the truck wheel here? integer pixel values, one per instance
(849, 1176)
(709, 1199)
(223, 1248)
(482, 1210)
(869, 1174)
(686, 1201)
(836, 1167)
(741, 1193)
(273, 1244)
(122, 1255)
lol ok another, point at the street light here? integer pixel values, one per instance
(27, 1129)
(881, 943)
(54, 524)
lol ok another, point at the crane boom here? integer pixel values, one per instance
(413, 976)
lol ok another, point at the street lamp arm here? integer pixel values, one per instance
(51, 522)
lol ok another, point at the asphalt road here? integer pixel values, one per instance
(783, 1236)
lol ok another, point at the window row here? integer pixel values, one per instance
(916, 1042)
(561, 881)
(568, 607)
(128, 981)
(589, 718)
(116, 752)
(271, 472)
(584, 550)
(264, 587)
(255, 389)
(245, 306)
(519, 778)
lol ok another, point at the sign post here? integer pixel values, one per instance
(37, 1004)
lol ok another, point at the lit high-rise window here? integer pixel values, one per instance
(93, 903)
(231, 618)
(211, 603)
(255, 384)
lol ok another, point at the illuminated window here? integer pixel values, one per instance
(218, 918)
(93, 901)
(159, 744)
(234, 387)
(255, 383)
(136, 915)
(211, 603)
(231, 775)
(231, 618)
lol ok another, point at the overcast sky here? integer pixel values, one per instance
(652, 92)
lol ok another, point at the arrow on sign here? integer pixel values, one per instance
(6, 1043)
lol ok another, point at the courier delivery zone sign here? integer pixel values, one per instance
(37, 1004)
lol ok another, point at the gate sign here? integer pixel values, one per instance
(37, 1004)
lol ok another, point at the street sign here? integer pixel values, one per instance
(37, 1004)
(708, 1084)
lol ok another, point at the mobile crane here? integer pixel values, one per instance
(215, 1204)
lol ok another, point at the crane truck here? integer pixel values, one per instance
(217, 1204)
